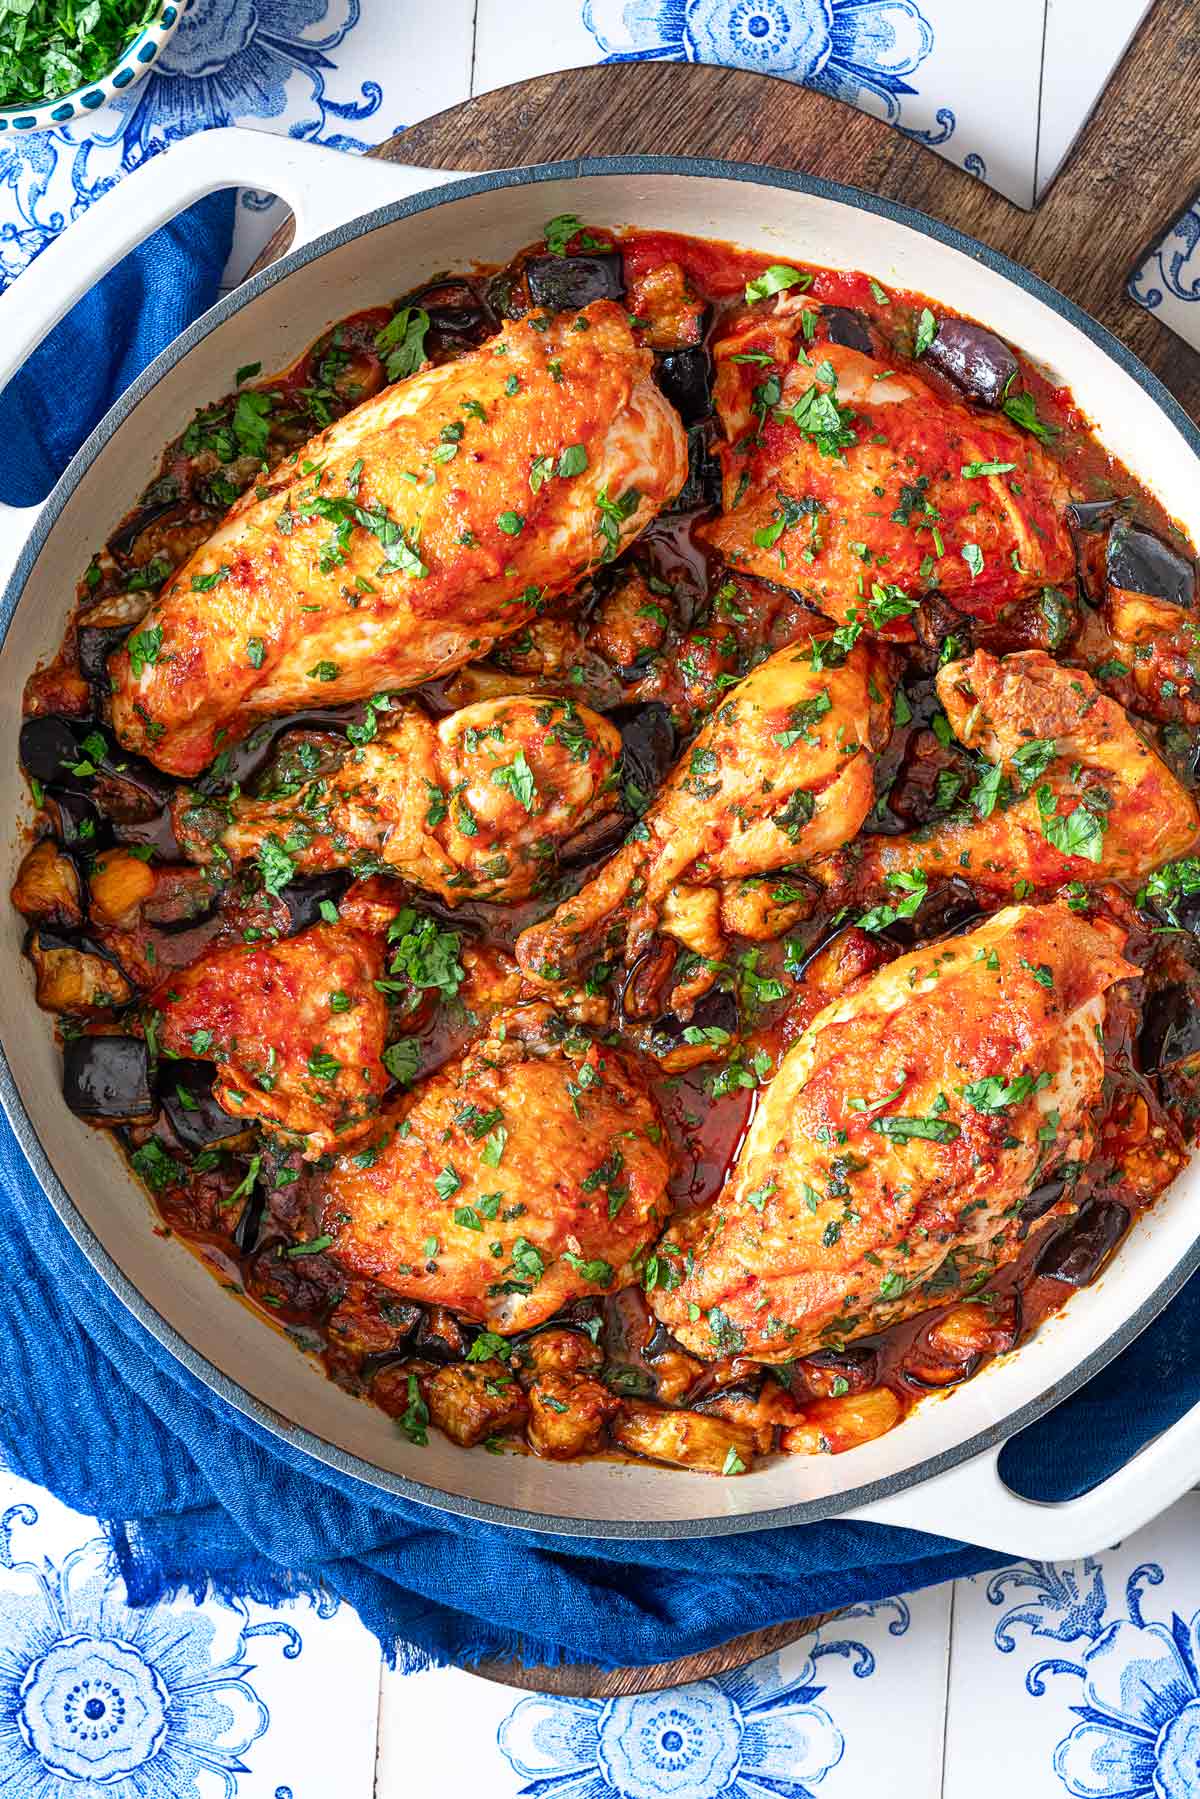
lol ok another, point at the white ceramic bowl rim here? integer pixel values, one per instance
(60, 109)
(353, 1469)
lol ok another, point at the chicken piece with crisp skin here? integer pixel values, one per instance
(521, 1175)
(406, 538)
(296, 1028)
(1075, 793)
(782, 771)
(472, 806)
(886, 1163)
(862, 488)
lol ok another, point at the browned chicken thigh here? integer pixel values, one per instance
(781, 772)
(528, 1171)
(1073, 792)
(406, 538)
(898, 1140)
(473, 806)
(296, 1028)
(862, 488)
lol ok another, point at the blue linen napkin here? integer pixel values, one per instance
(92, 1407)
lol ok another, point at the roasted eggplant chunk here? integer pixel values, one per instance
(107, 1079)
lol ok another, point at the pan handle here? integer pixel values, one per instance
(972, 1503)
(323, 188)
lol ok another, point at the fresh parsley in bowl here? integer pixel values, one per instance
(63, 58)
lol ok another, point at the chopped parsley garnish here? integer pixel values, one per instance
(1078, 833)
(205, 583)
(775, 280)
(1167, 885)
(447, 1182)
(274, 865)
(613, 514)
(913, 888)
(926, 332)
(156, 1167)
(414, 1420)
(994, 1094)
(144, 648)
(402, 341)
(424, 955)
(1022, 410)
(597, 1272)
(402, 1060)
(517, 777)
(936, 1130)
(560, 230)
(818, 416)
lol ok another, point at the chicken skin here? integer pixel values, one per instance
(887, 1162)
(781, 772)
(523, 1174)
(1074, 793)
(297, 1028)
(406, 538)
(862, 488)
(471, 806)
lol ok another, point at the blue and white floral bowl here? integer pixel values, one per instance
(135, 61)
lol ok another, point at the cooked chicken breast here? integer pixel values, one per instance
(781, 772)
(472, 806)
(887, 1162)
(862, 488)
(410, 535)
(1075, 794)
(528, 1171)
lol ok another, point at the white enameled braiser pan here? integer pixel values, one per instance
(367, 232)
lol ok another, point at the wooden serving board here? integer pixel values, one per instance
(1133, 170)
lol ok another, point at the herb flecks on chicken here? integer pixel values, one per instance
(475, 805)
(409, 536)
(889, 1159)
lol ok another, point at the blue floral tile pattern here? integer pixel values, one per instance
(757, 1733)
(1138, 1695)
(846, 47)
(98, 1701)
(311, 68)
(1100, 1697)
(184, 1699)
(736, 1737)
(241, 59)
(1168, 282)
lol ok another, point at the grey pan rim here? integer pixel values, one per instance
(296, 1436)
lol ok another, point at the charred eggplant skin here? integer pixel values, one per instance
(1170, 1030)
(1139, 562)
(49, 749)
(716, 1009)
(187, 1099)
(107, 1079)
(703, 484)
(975, 359)
(648, 744)
(849, 328)
(683, 377)
(304, 898)
(1077, 1255)
(569, 283)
